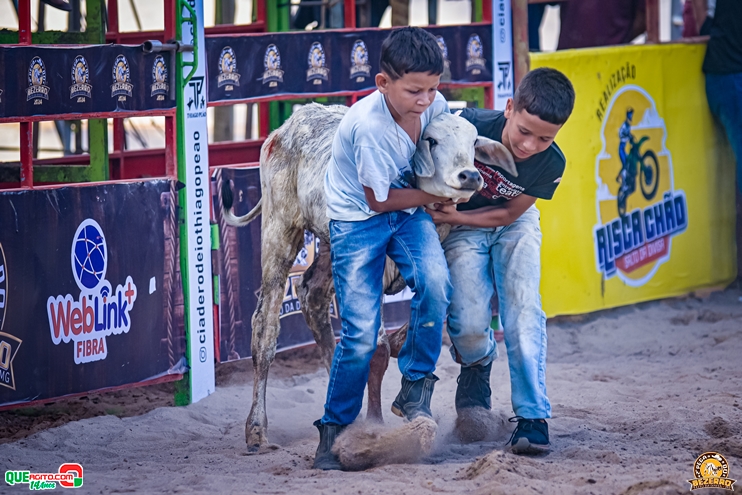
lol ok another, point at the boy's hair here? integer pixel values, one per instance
(410, 49)
(547, 94)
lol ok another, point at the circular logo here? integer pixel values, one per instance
(359, 54)
(159, 70)
(711, 465)
(272, 59)
(80, 73)
(442, 46)
(121, 70)
(227, 61)
(89, 257)
(316, 58)
(3, 287)
(36, 72)
(474, 47)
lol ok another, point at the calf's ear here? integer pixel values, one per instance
(491, 152)
(422, 163)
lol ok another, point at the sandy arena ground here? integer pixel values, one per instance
(637, 393)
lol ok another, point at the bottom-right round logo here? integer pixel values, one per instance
(711, 470)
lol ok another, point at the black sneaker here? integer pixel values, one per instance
(414, 398)
(473, 389)
(531, 436)
(324, 458)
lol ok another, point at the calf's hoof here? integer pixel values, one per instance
(257, 441)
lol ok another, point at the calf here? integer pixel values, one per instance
(293, 162)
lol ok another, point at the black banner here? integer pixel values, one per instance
(37, 80)
(240, 276)
(44, 80)
(253, 66)
(86, 289)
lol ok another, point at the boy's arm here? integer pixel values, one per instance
(400, 199)
(485, 217)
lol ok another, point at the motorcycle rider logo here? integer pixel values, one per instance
(635, 162)
(634, 240)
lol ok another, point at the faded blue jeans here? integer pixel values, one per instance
(510, 258)
(359, 251)
(724, 94)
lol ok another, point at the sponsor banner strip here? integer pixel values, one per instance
(256, 66)
(82, 80)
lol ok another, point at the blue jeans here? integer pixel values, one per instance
(509, 257)
(359, 251)
(724, 94)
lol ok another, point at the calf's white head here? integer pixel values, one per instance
(444, 160)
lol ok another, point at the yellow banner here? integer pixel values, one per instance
(645, 209)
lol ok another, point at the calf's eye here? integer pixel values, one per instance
(432, 142)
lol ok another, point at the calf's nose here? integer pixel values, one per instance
(470, 179)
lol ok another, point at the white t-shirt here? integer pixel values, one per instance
(370, 149)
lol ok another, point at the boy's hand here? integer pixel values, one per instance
(444, 213)
(400, 199)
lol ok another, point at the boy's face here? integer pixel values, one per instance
(411, 94)
(525, 134)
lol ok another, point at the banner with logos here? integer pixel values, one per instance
(241, 274)
(44, 80)
(50, 80)
(253, 66)
(85, 302)
(645, 208)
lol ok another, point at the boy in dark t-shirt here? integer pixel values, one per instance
(496, 240)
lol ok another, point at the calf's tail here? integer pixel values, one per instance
(228, 200)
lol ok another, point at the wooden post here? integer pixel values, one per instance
(400, 12)
(521, 57)
(653, 21)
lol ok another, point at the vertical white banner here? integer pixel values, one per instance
(502, 32)
(197, 211)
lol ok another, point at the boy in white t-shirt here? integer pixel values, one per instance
(373, 211)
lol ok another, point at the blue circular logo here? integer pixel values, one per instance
(89, 257)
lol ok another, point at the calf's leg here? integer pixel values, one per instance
(315, 295)
(278, 253)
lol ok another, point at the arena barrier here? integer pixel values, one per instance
(89, 294)
(677, 231)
